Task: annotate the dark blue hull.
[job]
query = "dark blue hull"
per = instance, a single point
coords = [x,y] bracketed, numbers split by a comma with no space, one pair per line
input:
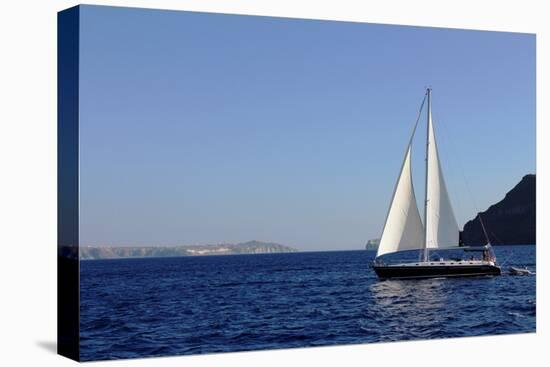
[434,271]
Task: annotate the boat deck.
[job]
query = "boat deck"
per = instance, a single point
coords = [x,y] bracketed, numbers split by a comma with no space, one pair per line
[444,263]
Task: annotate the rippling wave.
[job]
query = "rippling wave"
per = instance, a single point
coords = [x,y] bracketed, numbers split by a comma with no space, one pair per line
[191,305]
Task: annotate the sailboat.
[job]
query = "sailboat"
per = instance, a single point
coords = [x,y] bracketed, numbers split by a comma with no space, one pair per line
[404,230]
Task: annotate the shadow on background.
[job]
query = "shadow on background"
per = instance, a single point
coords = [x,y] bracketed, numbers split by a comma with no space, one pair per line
[50,346]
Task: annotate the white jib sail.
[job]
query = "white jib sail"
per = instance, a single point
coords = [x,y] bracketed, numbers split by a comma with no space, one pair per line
[403,229]
[441,227]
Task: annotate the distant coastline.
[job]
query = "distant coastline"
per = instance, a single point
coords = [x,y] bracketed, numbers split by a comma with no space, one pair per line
[372,244]
[120,252]
[509,222]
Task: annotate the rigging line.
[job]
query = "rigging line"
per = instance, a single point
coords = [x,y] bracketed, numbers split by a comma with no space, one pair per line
[507,259]
[483,227]
[408,146]
[470,194]
[496,237]
[418,117]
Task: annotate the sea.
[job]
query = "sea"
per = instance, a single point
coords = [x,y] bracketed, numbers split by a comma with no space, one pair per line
[132,308]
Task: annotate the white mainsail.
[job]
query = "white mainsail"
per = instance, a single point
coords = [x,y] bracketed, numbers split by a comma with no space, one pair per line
[403,229]
[441,227]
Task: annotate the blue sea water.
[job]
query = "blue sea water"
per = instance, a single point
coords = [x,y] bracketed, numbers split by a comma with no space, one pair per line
[189,305]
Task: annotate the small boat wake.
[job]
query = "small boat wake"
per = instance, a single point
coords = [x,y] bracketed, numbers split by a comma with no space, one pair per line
[520,271]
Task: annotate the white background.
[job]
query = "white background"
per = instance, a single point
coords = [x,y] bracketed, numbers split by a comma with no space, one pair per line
[28,182]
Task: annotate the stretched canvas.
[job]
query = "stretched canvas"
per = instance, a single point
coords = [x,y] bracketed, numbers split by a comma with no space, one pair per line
[235,183]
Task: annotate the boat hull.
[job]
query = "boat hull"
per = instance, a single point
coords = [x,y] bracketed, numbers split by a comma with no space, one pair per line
[434,271]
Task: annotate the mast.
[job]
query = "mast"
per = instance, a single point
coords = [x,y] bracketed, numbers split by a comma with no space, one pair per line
[425,251]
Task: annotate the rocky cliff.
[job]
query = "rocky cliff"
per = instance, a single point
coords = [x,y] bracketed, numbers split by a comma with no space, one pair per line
[511,221]
[372,244]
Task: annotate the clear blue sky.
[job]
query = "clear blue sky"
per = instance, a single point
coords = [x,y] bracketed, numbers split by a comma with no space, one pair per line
[207,128]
